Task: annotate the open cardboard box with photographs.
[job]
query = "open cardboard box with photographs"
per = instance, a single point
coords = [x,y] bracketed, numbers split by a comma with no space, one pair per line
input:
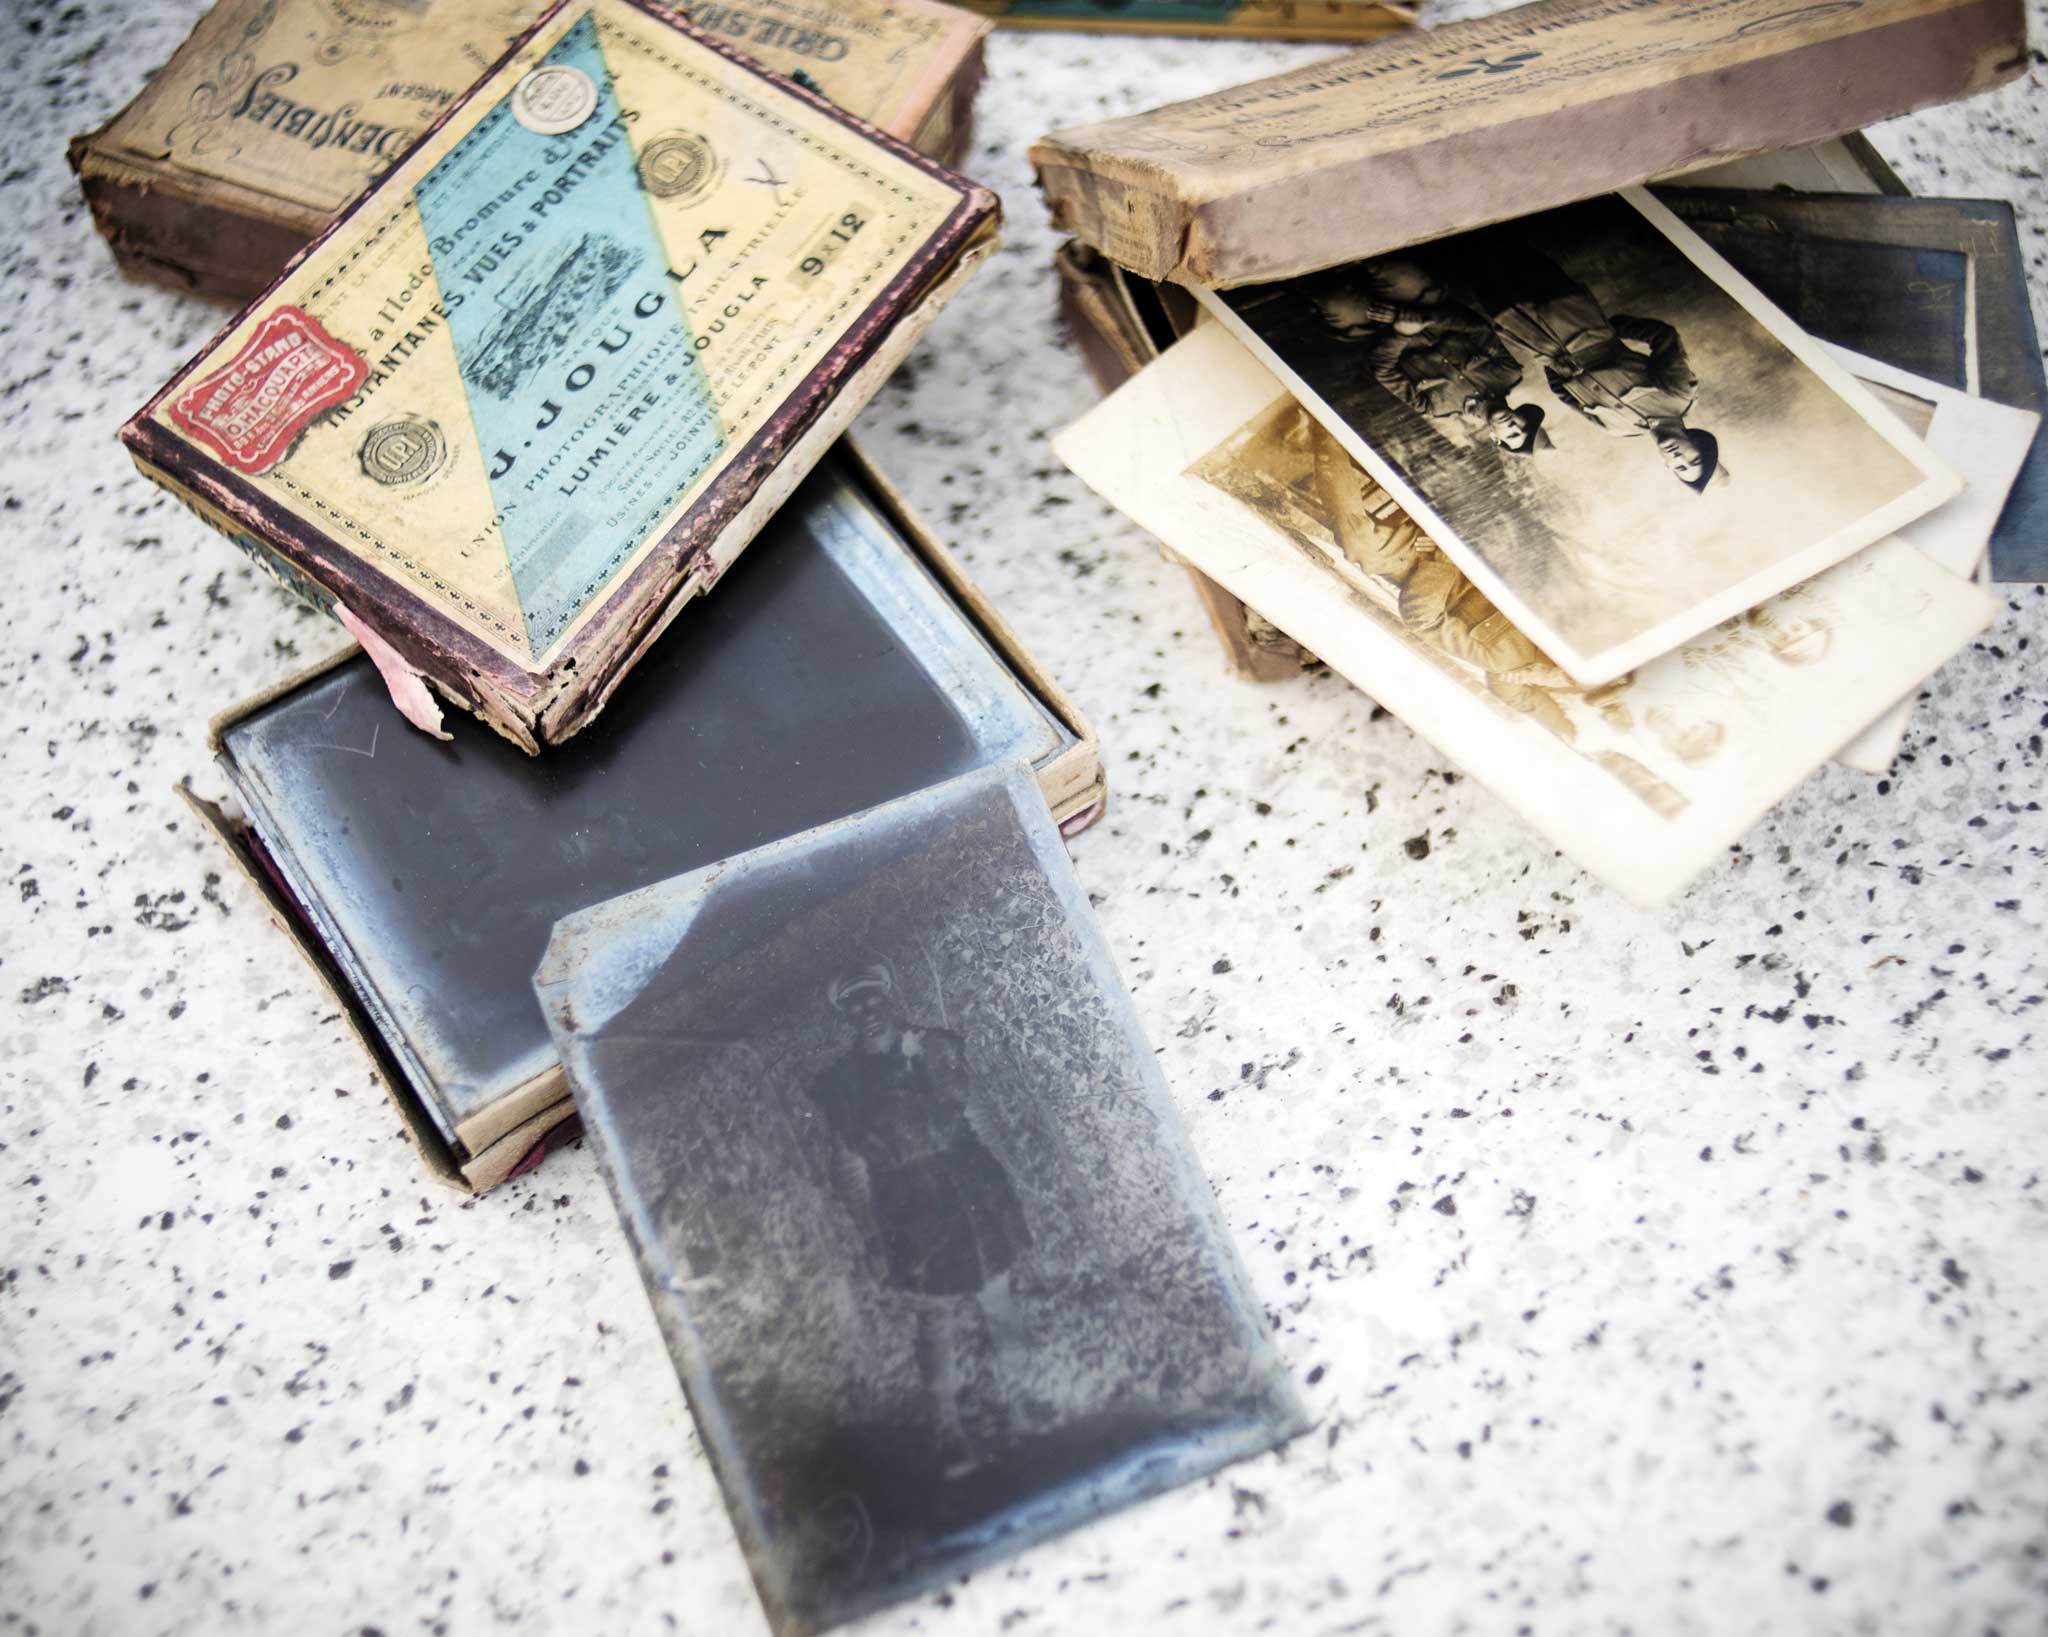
[854,662]
[1644,780]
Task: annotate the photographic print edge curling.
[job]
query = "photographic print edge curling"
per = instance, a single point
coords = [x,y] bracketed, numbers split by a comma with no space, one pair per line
[1936,482]
[1989,443]
[604,967]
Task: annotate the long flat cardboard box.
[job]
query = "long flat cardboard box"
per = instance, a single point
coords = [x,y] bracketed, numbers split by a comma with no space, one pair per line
[1222,19]
[1480,121]
[274,114]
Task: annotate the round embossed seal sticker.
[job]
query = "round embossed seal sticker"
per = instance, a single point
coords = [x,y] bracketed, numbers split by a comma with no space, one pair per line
[554,98]
[405,450]
[678,165]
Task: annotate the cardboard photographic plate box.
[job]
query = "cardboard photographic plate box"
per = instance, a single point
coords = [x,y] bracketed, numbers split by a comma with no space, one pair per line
[537,389]
[788,702]
[1226,19]
[1491,118]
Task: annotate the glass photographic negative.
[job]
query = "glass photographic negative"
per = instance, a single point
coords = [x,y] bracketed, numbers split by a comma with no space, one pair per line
[938,1272]
[826,673]
[1937,287]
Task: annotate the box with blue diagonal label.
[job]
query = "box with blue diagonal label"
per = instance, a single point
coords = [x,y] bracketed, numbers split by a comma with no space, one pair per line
[537,389]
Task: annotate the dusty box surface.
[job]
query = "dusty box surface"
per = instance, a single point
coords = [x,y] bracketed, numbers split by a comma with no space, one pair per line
[539,388]
[275,113]
[1413,137]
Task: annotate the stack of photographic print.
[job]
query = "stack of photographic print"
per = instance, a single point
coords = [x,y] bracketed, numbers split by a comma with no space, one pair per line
[1574,499]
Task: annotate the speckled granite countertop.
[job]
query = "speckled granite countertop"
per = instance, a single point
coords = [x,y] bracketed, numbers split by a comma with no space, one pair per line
[1650,1272]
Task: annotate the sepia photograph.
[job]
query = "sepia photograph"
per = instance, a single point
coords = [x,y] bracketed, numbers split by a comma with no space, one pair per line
[1605,427]
[1644,779]
[937,1269]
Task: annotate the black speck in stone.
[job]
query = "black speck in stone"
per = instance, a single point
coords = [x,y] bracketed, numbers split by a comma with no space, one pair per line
[1447,1206]
[340,1270]
[1417,846]
[1222,965]
[1841,1514]
[1953,1274]
[284,1122]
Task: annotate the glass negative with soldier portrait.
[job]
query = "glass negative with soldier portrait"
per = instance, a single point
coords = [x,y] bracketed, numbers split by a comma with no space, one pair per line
[1599,422]
[937,1270]
[1644,779]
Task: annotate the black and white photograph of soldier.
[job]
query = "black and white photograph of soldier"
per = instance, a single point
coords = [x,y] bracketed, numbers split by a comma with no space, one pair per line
[938,1217]
[937,1269]
[1624,373]
[1434,352]
[1618,440]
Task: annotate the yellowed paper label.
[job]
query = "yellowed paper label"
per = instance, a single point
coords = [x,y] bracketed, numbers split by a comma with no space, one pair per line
[890,63]
[563,337]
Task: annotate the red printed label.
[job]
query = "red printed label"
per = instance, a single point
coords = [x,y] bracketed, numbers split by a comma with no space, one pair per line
[250,409]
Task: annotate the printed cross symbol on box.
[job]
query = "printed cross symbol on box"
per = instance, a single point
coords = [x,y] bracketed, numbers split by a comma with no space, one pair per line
[1486,65]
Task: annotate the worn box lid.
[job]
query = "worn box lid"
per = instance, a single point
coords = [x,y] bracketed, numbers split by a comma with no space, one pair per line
[274,114]
[1495,117]
[1228,19]
[542,384]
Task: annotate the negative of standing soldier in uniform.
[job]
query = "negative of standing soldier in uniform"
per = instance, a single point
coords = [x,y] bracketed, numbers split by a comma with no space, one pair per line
[938,1273]
[1599,421]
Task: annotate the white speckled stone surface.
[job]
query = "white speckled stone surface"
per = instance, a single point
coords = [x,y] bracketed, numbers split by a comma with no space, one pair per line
[1654,1273]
